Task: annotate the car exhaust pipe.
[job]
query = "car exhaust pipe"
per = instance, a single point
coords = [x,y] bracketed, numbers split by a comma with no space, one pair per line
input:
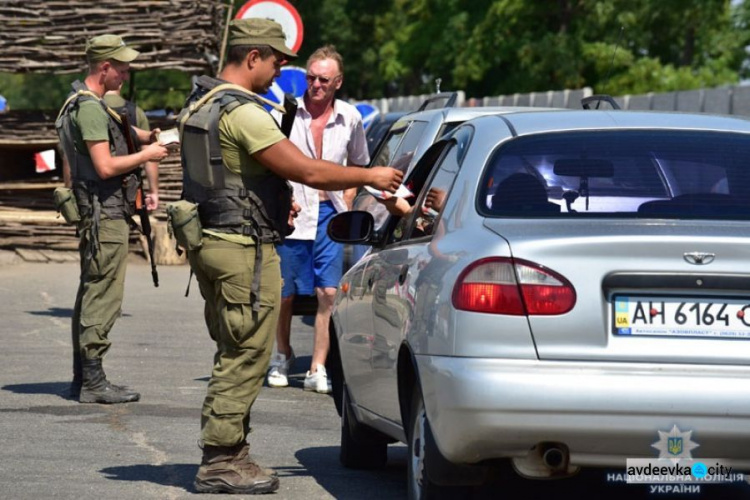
[545,460]
[555,458]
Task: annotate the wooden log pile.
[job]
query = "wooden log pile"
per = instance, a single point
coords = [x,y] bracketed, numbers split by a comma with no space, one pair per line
[49,36]
[30,225]
[28,128]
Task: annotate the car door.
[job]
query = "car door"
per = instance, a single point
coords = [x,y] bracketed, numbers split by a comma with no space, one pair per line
[400,294]
[354,313]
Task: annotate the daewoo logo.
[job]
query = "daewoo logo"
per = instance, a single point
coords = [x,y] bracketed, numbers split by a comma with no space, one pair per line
[699,258]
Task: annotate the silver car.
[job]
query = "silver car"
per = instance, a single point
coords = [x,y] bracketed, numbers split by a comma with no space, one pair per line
[578,296]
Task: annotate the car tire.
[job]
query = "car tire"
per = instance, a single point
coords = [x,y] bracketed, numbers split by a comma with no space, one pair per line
[420,487]
[361,446]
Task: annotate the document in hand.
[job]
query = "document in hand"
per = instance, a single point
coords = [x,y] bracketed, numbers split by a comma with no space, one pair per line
[169,137]
[401,192]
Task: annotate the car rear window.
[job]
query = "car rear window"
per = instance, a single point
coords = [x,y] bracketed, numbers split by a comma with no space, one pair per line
[633,173]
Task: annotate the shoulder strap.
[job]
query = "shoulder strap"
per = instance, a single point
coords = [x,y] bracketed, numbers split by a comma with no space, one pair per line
[227,88]
[87,93]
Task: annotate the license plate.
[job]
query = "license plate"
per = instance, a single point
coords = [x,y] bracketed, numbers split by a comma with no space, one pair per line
[681,317]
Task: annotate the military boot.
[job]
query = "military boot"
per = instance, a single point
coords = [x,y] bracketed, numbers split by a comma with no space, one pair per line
[97,389]
[229,469]
[75,385]
[244,454]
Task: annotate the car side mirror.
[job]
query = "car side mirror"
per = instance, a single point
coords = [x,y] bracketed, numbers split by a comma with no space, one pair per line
[352,227]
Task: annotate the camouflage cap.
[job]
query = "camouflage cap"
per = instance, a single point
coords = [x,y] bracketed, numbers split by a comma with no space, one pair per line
[103,47]
[258,31]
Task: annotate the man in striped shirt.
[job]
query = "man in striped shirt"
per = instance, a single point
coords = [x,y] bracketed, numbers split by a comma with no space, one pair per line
[330,129]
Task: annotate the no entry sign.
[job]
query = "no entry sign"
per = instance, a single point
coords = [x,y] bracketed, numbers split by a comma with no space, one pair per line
[280,11]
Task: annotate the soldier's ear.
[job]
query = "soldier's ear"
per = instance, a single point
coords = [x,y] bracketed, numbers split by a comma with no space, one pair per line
[252,59]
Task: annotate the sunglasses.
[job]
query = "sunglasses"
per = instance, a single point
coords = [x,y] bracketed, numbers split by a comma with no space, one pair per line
[322,79]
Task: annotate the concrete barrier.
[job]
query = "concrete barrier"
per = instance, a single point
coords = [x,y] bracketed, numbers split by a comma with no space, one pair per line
[639,102]
[740,103]
[558,98]
[690,101]
[718,101]
[573,99]
[539,99]
[664,102]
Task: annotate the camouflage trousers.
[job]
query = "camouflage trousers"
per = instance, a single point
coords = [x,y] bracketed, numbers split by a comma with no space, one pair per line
[102,285]
[244,338]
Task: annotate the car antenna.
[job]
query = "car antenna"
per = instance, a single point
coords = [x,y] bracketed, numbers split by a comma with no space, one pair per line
[585,102]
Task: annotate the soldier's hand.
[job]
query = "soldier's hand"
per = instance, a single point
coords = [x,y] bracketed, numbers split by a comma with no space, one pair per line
[293,213]
[386,178]
[155,152]
[154,137]
[152,202]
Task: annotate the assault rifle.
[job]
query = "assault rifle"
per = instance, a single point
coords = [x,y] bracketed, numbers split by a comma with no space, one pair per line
[140,202]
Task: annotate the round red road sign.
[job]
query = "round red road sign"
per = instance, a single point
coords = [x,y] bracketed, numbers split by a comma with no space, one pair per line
[280,11]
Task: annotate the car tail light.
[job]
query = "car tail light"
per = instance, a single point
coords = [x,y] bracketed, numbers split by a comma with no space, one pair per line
[501,285]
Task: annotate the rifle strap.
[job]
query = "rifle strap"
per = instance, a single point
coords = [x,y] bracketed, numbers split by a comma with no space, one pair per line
[190,279]
[88,93]
[223,88]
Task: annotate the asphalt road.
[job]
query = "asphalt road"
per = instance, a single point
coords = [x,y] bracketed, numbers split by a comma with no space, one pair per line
[52,447]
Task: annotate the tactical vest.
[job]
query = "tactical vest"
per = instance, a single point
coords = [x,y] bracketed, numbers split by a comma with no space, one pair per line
[227,202]
[115,197]
[128,109]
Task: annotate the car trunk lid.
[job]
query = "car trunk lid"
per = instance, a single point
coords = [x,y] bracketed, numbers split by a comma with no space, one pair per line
[631,277]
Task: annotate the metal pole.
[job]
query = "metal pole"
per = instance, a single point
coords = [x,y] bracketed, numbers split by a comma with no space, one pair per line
[224,39]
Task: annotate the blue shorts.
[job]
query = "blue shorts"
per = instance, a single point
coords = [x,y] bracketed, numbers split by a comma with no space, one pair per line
[306,265]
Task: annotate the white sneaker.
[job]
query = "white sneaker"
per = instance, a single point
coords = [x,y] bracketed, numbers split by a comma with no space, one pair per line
[279,371]
[318,381]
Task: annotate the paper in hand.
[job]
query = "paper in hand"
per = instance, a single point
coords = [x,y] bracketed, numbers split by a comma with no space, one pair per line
[401,192]
[170,137]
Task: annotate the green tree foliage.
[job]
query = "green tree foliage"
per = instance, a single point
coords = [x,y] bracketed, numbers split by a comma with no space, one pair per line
[350,25]
[153,89]
[507,46]
[34,90]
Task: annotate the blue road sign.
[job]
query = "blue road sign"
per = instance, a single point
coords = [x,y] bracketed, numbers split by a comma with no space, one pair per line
[292,81]
[368,112]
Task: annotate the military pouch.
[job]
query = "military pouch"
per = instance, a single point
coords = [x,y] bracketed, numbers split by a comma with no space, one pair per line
[130,186]
[185,224]
[66,204]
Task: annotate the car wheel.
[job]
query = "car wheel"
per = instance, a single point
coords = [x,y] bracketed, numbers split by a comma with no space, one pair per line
[361,446]
[420,486]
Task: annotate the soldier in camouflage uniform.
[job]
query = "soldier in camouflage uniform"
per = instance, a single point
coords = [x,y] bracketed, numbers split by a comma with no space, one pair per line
[236,162]
[103,180]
